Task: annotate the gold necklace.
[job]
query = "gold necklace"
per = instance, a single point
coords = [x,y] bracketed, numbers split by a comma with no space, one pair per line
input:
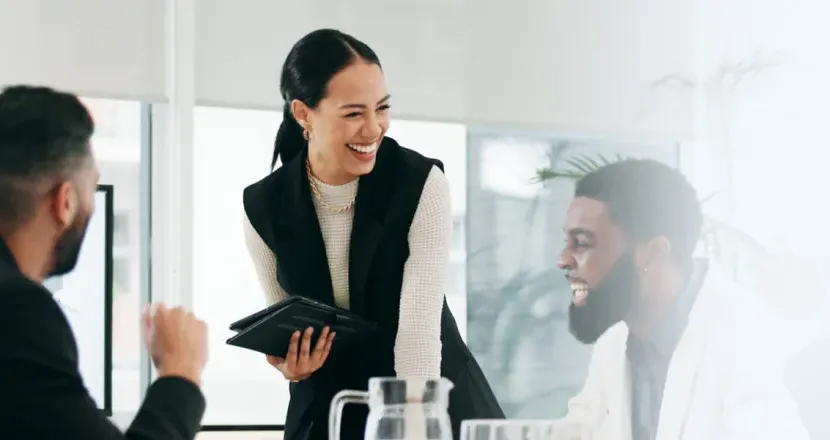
[312,182]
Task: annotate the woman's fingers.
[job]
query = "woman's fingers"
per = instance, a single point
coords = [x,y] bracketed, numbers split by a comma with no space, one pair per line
[291,359]
[320,346]
[327,348]
[303,361]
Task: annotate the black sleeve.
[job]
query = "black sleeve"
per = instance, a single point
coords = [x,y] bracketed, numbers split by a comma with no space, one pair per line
[43,395]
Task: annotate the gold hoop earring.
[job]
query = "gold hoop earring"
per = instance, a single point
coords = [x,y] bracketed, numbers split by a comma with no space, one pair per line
[306,134]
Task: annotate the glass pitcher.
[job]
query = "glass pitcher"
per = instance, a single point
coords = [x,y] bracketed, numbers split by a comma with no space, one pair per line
[517,430]
[399,409]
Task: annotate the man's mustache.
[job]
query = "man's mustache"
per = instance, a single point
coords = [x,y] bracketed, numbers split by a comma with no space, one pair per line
[574,279]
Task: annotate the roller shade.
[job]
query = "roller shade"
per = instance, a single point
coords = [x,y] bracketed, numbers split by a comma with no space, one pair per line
[97,48]
[562,65]
[557,65]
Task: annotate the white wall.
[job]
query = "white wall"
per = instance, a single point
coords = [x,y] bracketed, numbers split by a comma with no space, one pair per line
[777,117]
[583,66]
[565,65]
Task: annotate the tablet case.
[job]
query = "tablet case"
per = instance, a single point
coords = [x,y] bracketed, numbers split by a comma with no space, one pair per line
[269,330]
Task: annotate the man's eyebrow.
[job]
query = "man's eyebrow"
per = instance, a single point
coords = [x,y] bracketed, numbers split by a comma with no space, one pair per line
[581,231]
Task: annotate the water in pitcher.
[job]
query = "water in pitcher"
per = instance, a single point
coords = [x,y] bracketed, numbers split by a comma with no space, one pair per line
[399,409]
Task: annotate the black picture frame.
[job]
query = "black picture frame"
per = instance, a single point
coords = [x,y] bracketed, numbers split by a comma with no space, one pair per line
[109,220]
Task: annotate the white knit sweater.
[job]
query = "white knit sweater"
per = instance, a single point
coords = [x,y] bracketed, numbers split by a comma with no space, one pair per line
[418,344]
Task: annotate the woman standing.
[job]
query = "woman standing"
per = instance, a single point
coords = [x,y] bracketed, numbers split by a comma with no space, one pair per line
[353,219]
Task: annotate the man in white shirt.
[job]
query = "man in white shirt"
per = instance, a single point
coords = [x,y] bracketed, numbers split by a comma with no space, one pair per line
[678,353]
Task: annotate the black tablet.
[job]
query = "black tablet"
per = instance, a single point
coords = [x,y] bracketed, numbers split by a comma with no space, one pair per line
[269,330]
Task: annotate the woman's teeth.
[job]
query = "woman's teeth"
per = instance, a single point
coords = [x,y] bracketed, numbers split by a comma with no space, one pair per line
[365,149]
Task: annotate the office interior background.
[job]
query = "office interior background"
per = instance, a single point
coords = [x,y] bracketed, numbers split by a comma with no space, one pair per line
[185,97]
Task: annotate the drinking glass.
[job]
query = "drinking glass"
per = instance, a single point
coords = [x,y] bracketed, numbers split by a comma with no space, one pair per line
[510,430]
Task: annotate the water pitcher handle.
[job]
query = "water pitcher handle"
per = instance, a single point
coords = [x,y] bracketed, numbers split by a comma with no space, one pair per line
[340,400]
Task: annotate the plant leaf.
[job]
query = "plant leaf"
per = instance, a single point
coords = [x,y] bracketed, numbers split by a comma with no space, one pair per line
[608,161]
[603,160]
[546,174]
[579,164]
[577,167]
[594,164]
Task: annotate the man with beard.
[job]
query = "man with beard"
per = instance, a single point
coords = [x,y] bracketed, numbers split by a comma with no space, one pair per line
[48,179]
[678,353]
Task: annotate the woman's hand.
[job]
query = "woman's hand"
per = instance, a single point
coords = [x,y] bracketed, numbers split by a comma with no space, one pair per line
[301,361]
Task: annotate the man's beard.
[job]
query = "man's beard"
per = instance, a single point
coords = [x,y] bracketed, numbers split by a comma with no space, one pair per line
[608,303]
[68,248]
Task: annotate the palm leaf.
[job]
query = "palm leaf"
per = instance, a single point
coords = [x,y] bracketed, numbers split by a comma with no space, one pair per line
[546,174]
[580,164]
[576,167]
[593,163]
[717,227]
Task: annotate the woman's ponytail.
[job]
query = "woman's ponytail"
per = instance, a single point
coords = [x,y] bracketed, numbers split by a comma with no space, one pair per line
[290,141]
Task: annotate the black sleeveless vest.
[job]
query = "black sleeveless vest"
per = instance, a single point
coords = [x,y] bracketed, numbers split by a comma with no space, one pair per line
[281,210]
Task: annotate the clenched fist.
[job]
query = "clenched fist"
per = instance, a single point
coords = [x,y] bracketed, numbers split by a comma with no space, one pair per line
[176,341]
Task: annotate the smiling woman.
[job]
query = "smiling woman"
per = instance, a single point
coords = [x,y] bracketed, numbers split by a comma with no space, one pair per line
[357,221]
[344,130]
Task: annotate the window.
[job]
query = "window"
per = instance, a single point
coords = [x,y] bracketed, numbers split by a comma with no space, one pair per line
[121,275]
[518,299]
[117,145]
[121,229]
[233,150]
[447,143]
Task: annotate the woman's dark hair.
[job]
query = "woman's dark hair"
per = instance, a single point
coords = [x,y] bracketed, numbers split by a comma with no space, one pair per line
[309,67]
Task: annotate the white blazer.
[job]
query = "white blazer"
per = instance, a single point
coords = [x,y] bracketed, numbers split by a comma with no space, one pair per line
[724,380]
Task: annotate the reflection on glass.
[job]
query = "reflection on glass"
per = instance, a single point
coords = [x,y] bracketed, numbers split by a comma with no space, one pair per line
[447,143]
[518,299]
[117,147]
[233,150]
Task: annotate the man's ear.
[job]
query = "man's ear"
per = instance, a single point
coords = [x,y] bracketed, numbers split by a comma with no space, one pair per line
[65,204]
[656,252]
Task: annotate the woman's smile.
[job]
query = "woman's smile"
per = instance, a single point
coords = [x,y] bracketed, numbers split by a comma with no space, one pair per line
[364,152]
